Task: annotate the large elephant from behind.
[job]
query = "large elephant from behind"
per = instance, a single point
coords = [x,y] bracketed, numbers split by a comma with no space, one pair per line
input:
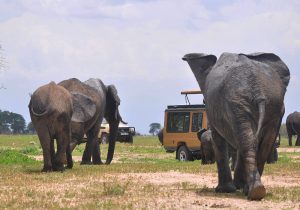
[244,97]
[293,127]
[104,103]
[51,110]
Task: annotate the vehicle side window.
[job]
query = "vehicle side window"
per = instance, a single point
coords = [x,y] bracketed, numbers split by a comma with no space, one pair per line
[178,122]
[197,121]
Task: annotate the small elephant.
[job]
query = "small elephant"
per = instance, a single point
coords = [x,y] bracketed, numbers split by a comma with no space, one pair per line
[244,98]
[160,135]
[100,102]
[208,154]
[293,127]
[51,111]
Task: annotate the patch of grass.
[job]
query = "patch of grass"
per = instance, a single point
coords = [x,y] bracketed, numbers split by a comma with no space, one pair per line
[31,150]
[283,194]
[114,188]
[18,141]
[14,157]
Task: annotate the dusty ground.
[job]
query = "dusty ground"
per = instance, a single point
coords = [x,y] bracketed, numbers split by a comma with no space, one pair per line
[194,199]
[175,190]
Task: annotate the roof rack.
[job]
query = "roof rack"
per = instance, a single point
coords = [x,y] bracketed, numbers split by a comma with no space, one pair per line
[190,92]
[187,92]
[193,106]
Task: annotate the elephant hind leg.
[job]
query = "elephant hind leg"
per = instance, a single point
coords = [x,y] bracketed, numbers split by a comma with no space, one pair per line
[248,144]
[225,183]
[45,141]
[63,147]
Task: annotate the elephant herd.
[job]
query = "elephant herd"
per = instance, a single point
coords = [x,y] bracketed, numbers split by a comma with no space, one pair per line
[244,95]
[68,110]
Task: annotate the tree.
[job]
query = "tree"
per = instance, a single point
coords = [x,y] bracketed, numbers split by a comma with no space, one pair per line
[11,122]
[17,123]
[154,128]
[30,129]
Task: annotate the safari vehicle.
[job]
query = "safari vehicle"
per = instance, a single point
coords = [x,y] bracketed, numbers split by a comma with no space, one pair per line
[181,124]
[125,133]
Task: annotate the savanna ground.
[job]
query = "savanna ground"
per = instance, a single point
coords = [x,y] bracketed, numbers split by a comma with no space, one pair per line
[141,176]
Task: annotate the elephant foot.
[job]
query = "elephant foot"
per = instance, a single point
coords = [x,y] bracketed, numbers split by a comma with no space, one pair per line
[258,192]
[226,188]
[84,162]
[97,162]
[238,184]
[47,169]
[69,166]
[59,168]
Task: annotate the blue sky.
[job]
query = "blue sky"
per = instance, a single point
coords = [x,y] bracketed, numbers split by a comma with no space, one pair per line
[138,46]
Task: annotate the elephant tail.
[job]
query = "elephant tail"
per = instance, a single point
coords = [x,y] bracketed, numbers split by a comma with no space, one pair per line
[261,117]
[39,114]
[43,113]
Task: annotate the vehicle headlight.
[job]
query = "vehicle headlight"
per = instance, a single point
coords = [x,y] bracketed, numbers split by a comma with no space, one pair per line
[131,130]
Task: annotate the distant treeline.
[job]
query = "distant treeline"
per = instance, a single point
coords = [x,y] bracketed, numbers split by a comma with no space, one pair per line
[13,123]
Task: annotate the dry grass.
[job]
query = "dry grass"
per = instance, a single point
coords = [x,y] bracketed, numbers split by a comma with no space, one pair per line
[140,177]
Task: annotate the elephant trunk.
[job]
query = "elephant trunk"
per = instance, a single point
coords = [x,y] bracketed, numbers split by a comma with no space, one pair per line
[113,131]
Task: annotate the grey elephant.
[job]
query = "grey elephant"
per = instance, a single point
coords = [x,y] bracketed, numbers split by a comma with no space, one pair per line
[207,150]
[52,120]
[103,103]
[244,97]
[160,135]
[293,127]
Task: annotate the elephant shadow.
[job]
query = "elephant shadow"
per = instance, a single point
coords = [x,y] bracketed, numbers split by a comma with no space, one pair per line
[210,192]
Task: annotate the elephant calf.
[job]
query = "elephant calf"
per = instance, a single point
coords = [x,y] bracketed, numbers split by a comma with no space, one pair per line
[293,127]
[50,110]
[208,154]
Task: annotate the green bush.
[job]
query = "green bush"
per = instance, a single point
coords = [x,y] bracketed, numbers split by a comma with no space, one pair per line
[9,156]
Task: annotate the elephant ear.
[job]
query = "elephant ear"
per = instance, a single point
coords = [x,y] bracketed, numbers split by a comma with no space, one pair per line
[84,108]
[274,62]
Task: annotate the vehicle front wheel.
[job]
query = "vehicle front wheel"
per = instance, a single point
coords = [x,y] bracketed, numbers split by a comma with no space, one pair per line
[183,154]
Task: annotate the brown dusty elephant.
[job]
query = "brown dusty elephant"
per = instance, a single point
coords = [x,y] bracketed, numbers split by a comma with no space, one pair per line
[244,97]
[104,102]
[51,110]
[293,127]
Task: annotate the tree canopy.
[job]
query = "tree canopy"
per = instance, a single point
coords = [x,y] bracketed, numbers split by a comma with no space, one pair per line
[154,128]
[11,122]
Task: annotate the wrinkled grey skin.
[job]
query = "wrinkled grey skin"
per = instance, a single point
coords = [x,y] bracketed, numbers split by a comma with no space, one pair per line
[293,127]
[244,101]
[103,103]
[208,154]
[52,120]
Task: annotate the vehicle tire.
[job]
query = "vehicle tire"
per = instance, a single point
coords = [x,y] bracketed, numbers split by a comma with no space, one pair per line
[183,154]
[130,139]
[104,138]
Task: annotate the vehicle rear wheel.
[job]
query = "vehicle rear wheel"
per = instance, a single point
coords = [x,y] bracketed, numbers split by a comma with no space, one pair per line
[183,154]
[104,138]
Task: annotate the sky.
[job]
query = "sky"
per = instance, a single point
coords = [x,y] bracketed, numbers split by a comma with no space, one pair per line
[138,46]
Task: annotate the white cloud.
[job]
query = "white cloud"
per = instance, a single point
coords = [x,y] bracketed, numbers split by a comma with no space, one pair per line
[130,42]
